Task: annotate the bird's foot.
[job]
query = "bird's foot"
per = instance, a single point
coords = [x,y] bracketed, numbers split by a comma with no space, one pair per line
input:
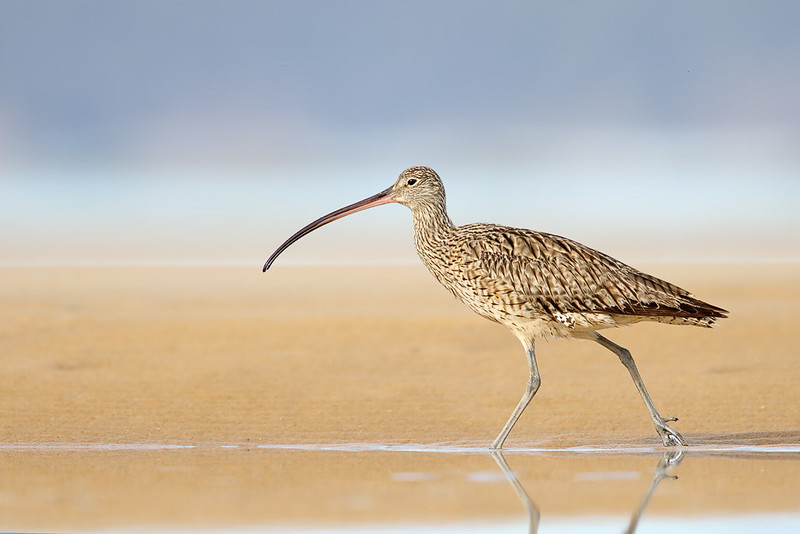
[670,437]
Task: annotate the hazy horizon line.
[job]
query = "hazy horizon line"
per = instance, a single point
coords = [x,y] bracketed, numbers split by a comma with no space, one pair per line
[352,263]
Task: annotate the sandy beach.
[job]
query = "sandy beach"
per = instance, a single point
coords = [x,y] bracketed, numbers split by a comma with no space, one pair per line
[253,372]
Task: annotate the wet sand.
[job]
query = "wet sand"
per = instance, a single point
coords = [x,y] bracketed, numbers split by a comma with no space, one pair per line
[252,372]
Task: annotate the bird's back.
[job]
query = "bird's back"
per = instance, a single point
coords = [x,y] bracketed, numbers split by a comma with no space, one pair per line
[551,285]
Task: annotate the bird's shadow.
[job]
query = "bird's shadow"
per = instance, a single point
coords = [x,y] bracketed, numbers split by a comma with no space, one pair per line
[666,464]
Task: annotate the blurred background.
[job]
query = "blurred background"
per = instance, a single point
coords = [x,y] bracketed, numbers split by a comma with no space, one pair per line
[203,131]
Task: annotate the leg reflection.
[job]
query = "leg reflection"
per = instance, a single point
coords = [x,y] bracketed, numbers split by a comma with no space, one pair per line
[533,512]
[668,462]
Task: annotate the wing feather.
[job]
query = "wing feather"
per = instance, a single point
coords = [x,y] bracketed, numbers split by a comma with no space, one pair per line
[555,275]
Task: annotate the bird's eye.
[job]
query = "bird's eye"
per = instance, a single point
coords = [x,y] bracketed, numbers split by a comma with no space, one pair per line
[411,181]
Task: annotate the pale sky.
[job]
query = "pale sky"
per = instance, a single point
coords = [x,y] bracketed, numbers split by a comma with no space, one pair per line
[210,131]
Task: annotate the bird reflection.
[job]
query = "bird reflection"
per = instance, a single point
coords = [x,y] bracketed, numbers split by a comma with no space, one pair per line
[668,462]
[533,512]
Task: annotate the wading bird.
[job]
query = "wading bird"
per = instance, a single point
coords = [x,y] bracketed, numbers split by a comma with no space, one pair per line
[536,284]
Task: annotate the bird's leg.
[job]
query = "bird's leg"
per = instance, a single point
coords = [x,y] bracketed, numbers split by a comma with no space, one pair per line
[668,436]
[530,391]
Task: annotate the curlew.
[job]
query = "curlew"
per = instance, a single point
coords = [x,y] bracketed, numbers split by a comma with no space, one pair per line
[538,285]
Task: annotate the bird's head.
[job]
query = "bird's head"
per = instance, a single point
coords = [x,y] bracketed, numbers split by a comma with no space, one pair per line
[418,186]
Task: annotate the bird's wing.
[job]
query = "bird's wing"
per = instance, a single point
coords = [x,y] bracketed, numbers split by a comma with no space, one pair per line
[557,275]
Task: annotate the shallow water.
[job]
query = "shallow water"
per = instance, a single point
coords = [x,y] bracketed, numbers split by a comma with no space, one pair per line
[714,487]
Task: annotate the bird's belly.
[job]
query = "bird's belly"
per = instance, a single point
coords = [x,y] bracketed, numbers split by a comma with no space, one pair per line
[524,318]
[564,325]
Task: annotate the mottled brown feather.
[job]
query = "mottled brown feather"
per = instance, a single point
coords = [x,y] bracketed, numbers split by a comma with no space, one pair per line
[513,275]
[565,275]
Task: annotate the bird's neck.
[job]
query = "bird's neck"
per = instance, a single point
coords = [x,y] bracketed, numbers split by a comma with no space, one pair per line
[432,227]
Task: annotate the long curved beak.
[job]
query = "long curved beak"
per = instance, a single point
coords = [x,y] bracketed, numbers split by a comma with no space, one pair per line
[384,197]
